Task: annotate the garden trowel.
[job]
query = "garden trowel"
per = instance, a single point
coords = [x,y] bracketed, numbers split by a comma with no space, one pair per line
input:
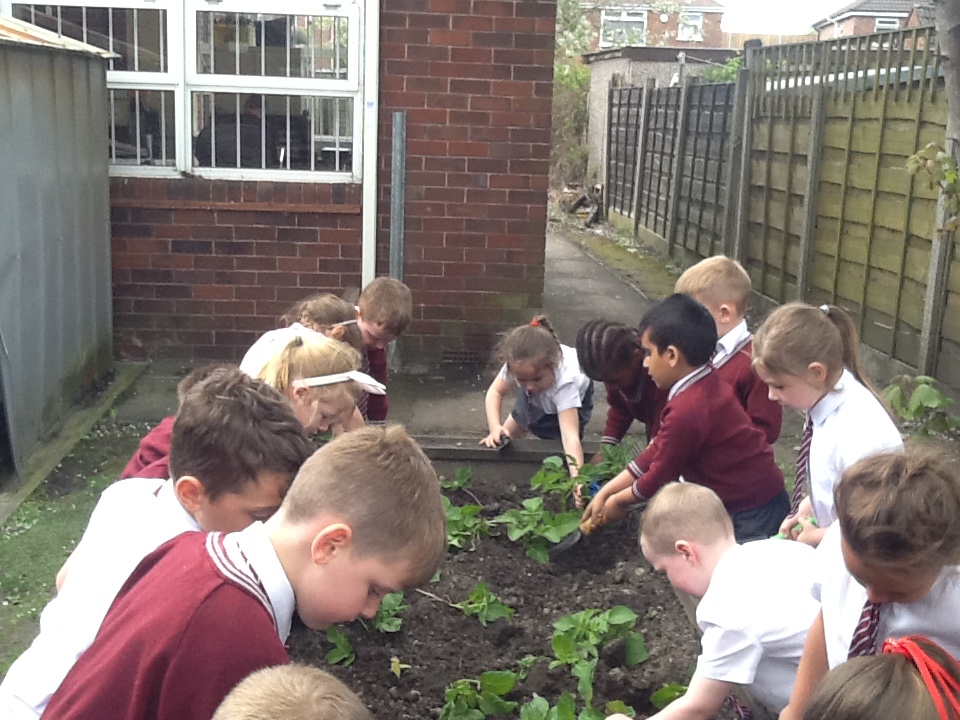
[573,538]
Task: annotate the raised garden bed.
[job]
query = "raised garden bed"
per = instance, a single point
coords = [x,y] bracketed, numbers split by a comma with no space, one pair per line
[441,645]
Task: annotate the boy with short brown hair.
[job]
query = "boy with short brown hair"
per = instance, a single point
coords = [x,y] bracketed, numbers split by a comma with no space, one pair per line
[383,313]
[236,446]
[363,518]
[292,692]
[722,286]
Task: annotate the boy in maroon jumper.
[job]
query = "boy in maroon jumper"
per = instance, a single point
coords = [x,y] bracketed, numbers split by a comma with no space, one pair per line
[722,286]
[363,518]
[705,435]
[383,313]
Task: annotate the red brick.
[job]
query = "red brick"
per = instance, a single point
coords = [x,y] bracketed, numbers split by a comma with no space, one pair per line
[470,55]
[433,21]
[403,99]
[420,83]
[451,38]
[471,22]
[256,263]
[126,261]
[172,261]
[298,264]
[254,292]
[213,292]
[494,8]
[468,149]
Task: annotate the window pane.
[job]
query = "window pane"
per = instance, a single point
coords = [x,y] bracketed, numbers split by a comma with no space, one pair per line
[301,46]
[287,132]
[141,127]
[136,34]
[690,27]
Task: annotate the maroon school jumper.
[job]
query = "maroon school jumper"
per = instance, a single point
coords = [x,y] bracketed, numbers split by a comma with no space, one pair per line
[374,407]
[152,458]
[706,436]
[177,639]
[645,405]
[737,371]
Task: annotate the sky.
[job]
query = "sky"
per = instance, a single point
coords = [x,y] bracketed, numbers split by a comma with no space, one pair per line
[786,17]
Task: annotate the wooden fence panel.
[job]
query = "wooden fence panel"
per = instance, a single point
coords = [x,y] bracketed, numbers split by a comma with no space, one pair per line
[702,189]
[624,113]
[658,155]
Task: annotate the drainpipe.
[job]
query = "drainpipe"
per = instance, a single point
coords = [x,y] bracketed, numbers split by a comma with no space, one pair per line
[371,104]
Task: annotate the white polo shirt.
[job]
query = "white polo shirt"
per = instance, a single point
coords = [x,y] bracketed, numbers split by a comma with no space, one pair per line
[849,424]
[755,617]
[132,519]
[569,388]
[842,598]
[730,342]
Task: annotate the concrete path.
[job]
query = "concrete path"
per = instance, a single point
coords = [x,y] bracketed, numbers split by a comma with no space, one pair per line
[449,401]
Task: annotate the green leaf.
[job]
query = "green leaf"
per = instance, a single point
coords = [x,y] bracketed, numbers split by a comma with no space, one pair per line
[636,649]
[555,462]
[563,647]
[565,709]
[342,652]
[929,397]
[584,671]
[621,615]
[667,694]
[498,682]
[491,704]
[538,553]
[590,713]
[536,709]
[618,706]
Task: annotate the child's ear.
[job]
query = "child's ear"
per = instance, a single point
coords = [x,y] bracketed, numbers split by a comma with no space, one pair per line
[336,332]
[672,355]
[190,492]
[686,550]
[726,313]
[818,372]
[330,540]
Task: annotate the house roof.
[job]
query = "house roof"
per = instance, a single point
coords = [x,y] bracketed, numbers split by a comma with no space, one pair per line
[17,32]
[651,53]
[925,12]
[870,8]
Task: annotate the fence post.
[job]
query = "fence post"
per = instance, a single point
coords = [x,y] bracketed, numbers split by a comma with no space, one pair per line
[648,86]
[607,163]
[743,182]
[810,192]
[732,199]
[936,295]
[676,170]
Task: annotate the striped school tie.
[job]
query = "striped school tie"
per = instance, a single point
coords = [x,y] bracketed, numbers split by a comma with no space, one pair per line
[864,640]
[803,465]
[742,711]
[364,396]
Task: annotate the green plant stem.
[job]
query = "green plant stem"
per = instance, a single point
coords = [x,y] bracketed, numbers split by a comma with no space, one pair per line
[437,598]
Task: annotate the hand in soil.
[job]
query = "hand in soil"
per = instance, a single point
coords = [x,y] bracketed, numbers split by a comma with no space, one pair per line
[495,438]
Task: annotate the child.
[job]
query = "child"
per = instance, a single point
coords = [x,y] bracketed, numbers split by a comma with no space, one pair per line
[152,458]
[748,638]
[292,692]
[705,435]
[235,448]
[317,375]
[326,314]
[722,286]
[889,567]
[913,678]
[383,313]
[554,397]
[610,352]
[810,359]
[363,518]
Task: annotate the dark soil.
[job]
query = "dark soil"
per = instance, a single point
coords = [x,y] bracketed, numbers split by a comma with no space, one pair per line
[442,645]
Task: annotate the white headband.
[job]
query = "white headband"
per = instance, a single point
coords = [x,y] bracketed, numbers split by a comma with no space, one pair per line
[345,322]
[362,379]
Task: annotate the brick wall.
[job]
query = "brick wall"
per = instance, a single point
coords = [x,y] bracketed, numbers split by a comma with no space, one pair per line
[475,77]
[201,267]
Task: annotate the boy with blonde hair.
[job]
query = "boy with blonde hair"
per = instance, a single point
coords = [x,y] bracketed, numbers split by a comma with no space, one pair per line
[722,286]
[292,692]
[383,313]
[748,638]
[362,519]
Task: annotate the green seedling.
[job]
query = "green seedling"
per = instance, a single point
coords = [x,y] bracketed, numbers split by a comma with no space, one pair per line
[535,527]
[465,526]
[485,605]
[526,662]
[397,667]
[615,459]
[920,405]
[387,619]
[461,480]
[539,709]
[796,528]
[554,479]
[667,694]
[468,699]
[342,652]
[577,640]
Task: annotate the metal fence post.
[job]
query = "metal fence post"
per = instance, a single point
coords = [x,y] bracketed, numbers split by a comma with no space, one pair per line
[810,192]
[648,86]
[936,295]
[743,182]
[398,195]
[731,200]
[676,171]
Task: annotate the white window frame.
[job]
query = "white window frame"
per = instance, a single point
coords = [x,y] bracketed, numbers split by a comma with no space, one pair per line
[892,24]
[697,27]
[182,78]
[622,15]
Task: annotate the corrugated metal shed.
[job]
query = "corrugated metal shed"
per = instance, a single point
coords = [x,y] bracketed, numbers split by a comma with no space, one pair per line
[55,297]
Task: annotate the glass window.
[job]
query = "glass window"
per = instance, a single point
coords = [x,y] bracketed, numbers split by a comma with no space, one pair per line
[883,24]
[622,27]
[690,27]
[142,127]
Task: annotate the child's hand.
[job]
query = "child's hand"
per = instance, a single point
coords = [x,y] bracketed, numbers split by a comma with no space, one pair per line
[809,534]
[578,496]
[494,438]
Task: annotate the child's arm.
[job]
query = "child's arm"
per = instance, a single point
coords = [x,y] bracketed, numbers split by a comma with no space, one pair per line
[493,403]
[600,507]
[702,699]
[570,437]
[801,526]
[813,668]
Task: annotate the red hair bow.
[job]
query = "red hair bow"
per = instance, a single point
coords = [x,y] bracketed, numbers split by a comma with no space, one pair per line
[535,322]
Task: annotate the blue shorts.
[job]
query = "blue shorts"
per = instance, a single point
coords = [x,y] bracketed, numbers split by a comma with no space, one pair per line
[763,522]
[544,425]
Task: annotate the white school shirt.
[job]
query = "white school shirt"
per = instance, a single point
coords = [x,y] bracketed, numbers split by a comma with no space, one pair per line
[132,519]
[570,385]
[730,342]
[755,617]
[270,344]
[842,598]
[849,424]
